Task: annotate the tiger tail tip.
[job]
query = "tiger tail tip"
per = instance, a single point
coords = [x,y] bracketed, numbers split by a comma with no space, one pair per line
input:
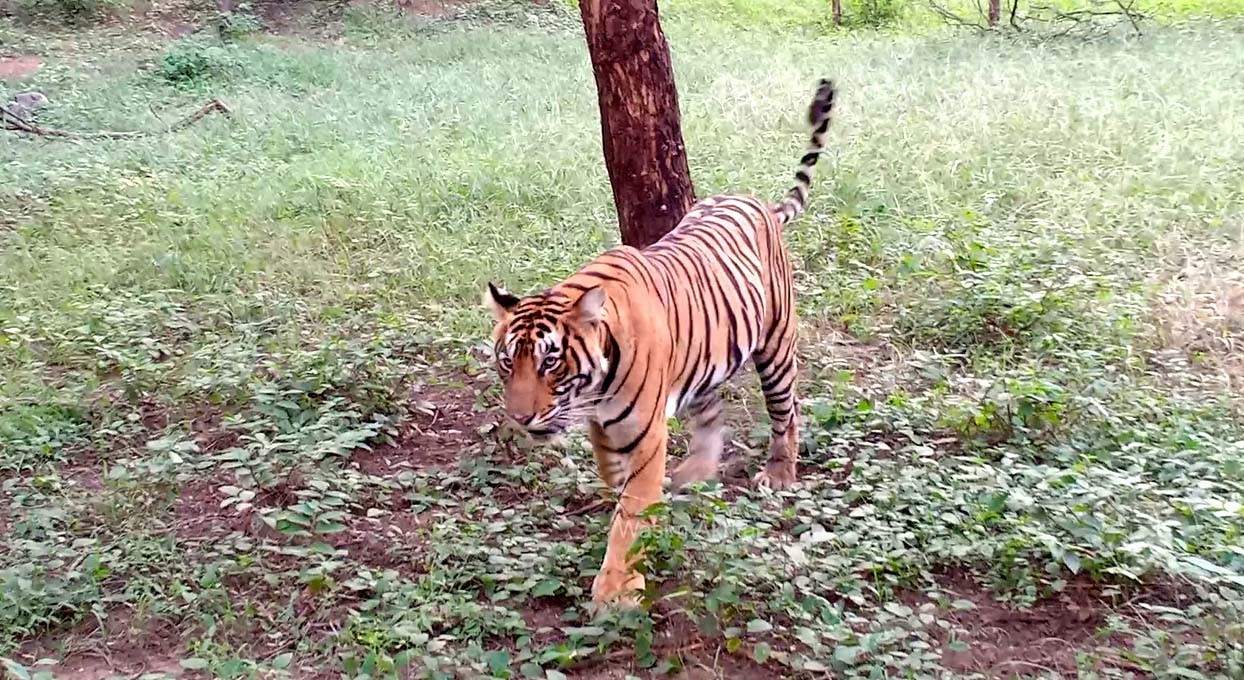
[819,115]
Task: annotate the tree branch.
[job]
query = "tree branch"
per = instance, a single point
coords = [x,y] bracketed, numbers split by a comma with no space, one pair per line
[11,121]
[954,19]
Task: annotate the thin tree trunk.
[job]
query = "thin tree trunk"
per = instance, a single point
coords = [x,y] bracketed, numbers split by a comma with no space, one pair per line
[837,9]
[995,11]
[639,122]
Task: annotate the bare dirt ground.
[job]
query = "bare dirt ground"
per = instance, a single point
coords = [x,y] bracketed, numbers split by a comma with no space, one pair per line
[20,66]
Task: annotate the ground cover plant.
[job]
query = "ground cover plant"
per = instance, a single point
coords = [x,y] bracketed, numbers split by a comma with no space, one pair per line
[246,428]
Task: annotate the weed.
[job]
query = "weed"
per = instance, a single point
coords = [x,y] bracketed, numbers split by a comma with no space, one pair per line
[194,61]
[238,24]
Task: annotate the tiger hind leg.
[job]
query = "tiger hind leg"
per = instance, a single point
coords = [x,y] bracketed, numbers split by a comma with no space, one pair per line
[707,443]
[776,365]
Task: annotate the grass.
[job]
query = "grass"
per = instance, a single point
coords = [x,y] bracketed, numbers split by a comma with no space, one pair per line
[245,428]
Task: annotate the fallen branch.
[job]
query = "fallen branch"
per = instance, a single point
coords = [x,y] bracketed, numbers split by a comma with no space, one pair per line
[14,122]
[590,507]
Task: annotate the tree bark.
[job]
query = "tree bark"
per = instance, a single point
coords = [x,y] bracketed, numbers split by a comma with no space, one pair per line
[639,120]
[837,9]
[995,11]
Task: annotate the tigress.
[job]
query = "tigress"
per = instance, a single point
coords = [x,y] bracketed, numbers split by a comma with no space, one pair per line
[638,336]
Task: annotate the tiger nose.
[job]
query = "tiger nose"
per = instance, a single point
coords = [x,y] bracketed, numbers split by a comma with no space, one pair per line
[525,418]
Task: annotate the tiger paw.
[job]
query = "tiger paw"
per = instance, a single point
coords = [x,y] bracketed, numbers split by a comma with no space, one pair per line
[776,476]
[692,470]
[613,588]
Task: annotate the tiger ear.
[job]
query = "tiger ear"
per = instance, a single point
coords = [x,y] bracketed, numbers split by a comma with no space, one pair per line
[499,302]
[590,307]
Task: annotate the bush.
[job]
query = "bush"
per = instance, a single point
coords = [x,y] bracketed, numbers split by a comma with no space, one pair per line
[191,61]
[875,13]
[236,25]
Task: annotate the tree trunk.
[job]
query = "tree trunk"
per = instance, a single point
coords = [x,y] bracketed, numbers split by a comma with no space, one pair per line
[995,11]
[639,123]
[837,9]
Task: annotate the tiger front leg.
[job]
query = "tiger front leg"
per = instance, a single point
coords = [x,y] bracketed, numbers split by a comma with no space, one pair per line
[610,464]
[618,582]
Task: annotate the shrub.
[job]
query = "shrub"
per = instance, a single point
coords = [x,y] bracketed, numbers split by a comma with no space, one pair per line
[238,24]
[875,13]
[190,61]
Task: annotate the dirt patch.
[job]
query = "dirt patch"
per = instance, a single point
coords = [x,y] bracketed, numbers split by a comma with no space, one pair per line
[1003,640]
[434,8]
[543,617]
[95,665]
[390,541]
[200,515]
[443,424]
[119,644]
[828,351]
[210,432]
[285,16]
[87,477]
[19,67]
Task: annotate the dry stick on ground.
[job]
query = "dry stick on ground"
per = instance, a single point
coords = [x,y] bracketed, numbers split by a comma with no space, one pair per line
[594,505]
[620,654]
[12,122]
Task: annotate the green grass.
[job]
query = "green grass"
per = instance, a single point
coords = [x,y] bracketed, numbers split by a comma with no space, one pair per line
[1022,317]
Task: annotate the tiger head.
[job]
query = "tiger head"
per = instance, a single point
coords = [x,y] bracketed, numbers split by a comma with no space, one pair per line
[551,352]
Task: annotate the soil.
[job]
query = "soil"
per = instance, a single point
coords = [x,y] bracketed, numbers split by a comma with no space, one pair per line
[1003,641]
[118,645]
[19,67]
[432,8]
[89,666]
[387,542]
[444,423]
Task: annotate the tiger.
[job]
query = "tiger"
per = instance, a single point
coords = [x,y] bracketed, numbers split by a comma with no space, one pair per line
[636,337]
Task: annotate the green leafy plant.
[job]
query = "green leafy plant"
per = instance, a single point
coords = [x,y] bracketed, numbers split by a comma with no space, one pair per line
[189,62]
[237,24]
[875,13]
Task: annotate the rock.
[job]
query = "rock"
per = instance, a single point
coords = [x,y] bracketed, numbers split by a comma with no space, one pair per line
[24,105]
